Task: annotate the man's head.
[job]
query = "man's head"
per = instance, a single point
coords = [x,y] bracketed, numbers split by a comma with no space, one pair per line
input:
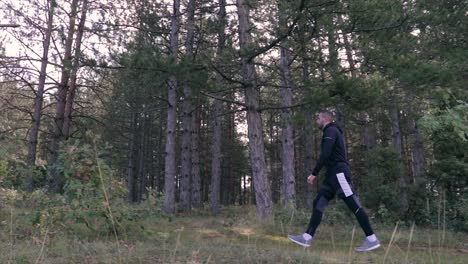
[324,118]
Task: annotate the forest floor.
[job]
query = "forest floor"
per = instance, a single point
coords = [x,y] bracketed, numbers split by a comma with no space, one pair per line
[235,236]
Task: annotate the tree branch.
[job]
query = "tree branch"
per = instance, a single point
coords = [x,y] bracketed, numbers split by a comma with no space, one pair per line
[280,38]
[223,99]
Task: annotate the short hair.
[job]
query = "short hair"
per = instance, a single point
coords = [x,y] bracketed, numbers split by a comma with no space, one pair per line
[328,114]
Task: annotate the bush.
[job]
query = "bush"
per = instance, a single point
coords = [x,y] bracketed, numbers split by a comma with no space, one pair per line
[421,203]
[92,204]
[382,197]
[462,208]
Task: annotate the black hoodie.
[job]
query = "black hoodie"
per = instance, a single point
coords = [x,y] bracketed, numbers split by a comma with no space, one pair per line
[332,148]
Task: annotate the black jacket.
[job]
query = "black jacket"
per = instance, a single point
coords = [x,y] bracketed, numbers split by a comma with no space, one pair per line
[333,148]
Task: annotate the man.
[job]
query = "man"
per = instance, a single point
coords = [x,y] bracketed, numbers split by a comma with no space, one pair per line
[337,182]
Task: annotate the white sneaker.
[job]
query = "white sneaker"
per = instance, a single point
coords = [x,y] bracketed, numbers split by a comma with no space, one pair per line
[368,246]
[300,240]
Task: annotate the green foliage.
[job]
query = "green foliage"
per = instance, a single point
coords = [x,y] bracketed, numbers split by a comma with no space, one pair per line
[193,73]
[443,124]
[13,170]
[422,204]
[78,165]
[418,51]
[84,210]
[377,14]
[318,96]
[412,71]
[4,170]
[380,187]
[461,206]
[448,173]
[360,95]
[89,217]
[338,213]
[235,159]
[284,216]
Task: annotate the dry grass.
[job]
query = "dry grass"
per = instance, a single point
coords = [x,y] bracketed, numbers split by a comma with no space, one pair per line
[233,237]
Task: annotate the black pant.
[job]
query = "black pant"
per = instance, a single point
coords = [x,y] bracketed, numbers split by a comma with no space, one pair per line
[338,182]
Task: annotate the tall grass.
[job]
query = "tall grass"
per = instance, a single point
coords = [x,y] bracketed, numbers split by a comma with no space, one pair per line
[409,243]
[177,244]
[238,238]
[107,203]
[350,251]
[441,225]
[39,258]
[11,236]
[390,243]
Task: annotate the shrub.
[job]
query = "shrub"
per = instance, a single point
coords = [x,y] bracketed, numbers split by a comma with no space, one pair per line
[383,197]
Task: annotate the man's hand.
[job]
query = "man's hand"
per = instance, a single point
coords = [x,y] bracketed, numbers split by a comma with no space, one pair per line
[310,179]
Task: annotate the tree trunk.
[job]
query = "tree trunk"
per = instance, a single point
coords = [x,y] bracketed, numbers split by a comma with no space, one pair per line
[186,162]
[368,139]
[130,178]
[142,166]
[308,157]
[170,167]
[61,96]
[205,166]
[39,98]
[307,136]
[321,59]
[367,134]
[152,148]
[140,169]
[332,48]
[217,109]
[254,121]
[334,66]
[196,178]
[161,155]
[287,142]
[271,149]
[216,158]
[349,50]
[398,147]
[417,152]
[73,78]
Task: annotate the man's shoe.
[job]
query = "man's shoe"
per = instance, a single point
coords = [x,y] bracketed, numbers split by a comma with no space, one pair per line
[300,240]
[367,245]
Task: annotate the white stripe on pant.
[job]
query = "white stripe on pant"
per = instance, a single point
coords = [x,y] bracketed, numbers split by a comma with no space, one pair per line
[344,184]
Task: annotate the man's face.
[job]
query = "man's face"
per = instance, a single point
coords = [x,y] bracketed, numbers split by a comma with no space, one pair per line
[321,120]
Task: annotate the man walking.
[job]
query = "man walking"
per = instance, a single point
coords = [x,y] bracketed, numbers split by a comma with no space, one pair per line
[337,182]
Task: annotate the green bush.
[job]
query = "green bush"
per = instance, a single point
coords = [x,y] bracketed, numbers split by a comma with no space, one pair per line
[421,203]
[92,204]
[447,177]
[462,208]
[383,197]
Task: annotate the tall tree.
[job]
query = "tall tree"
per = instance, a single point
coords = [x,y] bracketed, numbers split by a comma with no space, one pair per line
[196,187]
[417,151]
[287,141]
[186,153]
[398,147]
[39,94]
[131,158]
[66,91]
[60,97]
[307,138]
[170,159]
[217,109]
[254,120]
[74,74]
